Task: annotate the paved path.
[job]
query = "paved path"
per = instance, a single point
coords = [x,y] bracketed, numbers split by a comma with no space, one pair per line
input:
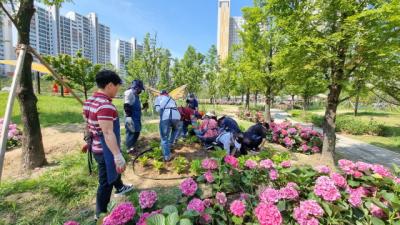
[352,149]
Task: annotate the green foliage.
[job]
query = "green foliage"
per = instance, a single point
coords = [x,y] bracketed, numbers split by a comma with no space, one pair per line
[219,153]
[280,157]
[144,160]
[180,164]
[158,165]
[79,72]
[211,70]
[195,167]
[357,126]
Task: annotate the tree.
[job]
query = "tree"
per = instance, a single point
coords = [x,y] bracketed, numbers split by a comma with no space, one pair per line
[260,44]
[339,39]
[212,67]
[32,145]
[164,68]
[79,71]
[191,71]
[227,77]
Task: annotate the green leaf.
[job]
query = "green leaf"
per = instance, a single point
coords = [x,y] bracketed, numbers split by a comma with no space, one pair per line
[156,219]
[237,220]
[353,183]
[281,206]
[190,213]
[185,222]
[172,218]
[377,221]
[327,208]
[169,209]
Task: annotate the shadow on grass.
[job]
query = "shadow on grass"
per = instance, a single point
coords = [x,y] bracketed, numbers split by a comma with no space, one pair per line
[381,114]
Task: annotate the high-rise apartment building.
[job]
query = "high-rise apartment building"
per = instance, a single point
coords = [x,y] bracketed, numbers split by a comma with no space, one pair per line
[6,48]
[229,28]
[125,51]
[52,34]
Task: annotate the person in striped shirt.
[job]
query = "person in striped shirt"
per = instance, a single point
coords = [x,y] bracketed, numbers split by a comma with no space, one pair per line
[102,123]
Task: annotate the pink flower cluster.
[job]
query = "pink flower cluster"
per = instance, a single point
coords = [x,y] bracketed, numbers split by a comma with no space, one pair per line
[71,223]
[209,164]
[231,160]
[209,176]
[144,216]
[121,215]
[339,180]
[237,208]
[268,214]
[147,199]
[289,192]
[323,169]
[196,205]
[377,212]
[308,212]
[273,174]
[251,164]
[269,195]
[188,187]
[286,164]
[221,198]
[326,189]
[355,196]
[359,169]
[267,164]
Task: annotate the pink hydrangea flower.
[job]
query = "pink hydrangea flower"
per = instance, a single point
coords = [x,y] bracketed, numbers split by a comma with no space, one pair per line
[339,180]
[286,164]
[122,214]
[71,223]
[209,177]
[292,131]
[355,196]
[209,164]
[305,135]
[144,216]
[288,142]
[196,205]
[188,187]
[347,166]
[207,202]
[377,212]
[292,184]
[269,195]
[357,174]
[307,210]
[237,208]
[381,170]
[251,164]
[231,160]
[221,198]
[266,164]
[147,199]
[284,132]
[289,193]
[323,169]
[326,189]
[397,180]
[304,147]
[363,167]
[206,218]
[268,214]
[315,149]
[273,174]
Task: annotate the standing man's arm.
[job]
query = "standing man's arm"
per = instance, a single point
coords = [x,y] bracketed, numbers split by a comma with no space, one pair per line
[111,141]
[157,103]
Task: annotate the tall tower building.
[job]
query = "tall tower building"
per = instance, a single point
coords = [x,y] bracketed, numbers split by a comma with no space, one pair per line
[223,28]
[6,48]
[235,27]
[125,51]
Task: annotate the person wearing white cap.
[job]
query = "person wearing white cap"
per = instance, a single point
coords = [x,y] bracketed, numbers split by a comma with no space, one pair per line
[208,130]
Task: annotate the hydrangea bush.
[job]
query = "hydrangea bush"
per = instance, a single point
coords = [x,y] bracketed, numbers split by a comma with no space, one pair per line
[295,137]
[14,136]
[268,192]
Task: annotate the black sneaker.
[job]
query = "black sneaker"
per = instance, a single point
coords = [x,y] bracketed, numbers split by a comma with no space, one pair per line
[123,190]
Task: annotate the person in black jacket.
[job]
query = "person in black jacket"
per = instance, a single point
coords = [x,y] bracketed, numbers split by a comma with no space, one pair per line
[253,137]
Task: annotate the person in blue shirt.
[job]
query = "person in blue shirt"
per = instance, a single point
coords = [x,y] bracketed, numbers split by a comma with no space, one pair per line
[133,114]
[192,102]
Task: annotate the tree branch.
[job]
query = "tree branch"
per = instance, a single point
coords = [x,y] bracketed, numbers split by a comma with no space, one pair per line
[384,99]
[347,98]
[8,15]
[12,6]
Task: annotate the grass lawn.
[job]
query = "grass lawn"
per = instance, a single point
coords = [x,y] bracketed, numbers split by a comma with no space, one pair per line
[390,120]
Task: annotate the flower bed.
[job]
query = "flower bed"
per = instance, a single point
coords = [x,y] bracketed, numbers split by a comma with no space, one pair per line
[14,135]
[295,137]
[251,190]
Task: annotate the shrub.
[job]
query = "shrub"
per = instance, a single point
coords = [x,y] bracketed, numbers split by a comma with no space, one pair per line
[356,126]
[180,163]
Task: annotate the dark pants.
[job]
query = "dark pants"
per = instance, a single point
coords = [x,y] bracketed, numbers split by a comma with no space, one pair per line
[105,189]
[131,138]
[250,143]
[185,125]
[207,141]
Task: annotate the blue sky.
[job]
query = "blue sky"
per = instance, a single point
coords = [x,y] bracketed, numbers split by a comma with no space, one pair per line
[178,23]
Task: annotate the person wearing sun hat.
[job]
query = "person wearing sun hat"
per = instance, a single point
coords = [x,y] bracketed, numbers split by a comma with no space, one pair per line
[208,130]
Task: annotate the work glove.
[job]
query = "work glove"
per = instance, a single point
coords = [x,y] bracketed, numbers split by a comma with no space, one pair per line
[120,163]
[129,124]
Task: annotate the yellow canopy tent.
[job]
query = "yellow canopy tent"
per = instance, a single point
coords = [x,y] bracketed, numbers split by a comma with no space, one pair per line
[35,66]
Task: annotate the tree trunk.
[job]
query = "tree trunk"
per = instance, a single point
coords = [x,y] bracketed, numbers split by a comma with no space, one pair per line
[242,98]
[292,102]
[305,103]
[38,82]
[255,98]
[356,104]
[268,101]
[32,146]
[62,90]
[247,99]
[85,93]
